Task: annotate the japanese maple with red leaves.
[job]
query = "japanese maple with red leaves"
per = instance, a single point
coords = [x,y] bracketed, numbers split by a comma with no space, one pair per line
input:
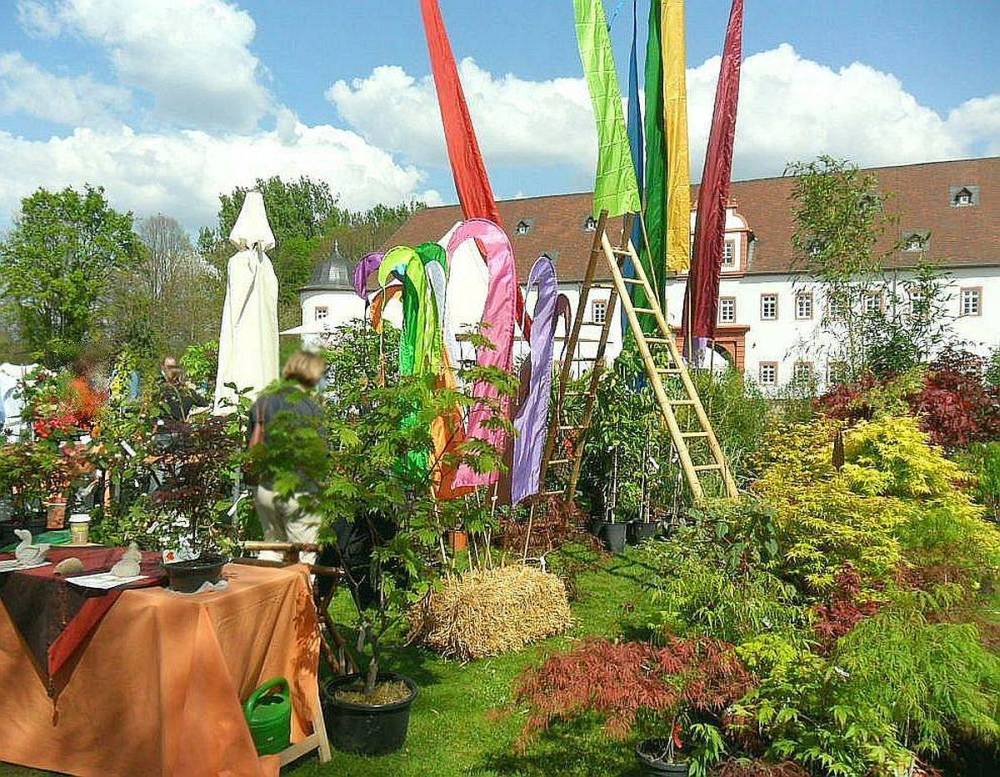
[622,680]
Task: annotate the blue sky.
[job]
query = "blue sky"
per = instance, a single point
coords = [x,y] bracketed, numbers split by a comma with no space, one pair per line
[168,102]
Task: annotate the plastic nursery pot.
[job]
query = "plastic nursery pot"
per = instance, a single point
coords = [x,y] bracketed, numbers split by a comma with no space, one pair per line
[640,531]
[613,535]
[649,753]
[366,729]
[186,577]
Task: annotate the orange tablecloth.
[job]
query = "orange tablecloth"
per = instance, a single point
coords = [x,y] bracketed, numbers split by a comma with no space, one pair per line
[158,687]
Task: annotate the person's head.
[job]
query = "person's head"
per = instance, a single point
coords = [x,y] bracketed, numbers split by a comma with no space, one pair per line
[304,368]
[171,369]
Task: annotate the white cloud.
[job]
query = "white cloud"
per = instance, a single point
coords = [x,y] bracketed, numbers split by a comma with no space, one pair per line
[193,56]
[183,172]
[790,108]
[518,122]
[70,100]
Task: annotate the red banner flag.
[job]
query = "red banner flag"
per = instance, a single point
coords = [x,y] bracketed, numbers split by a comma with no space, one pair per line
[467,166]
[702,298]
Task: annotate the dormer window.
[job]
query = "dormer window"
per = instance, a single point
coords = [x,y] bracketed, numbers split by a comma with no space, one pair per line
[729,254]
[523,227]
[590,224]
[964,196]
[915,243]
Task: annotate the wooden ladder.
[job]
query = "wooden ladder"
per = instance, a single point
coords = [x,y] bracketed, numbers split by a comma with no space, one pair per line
[673,368]
[682,394]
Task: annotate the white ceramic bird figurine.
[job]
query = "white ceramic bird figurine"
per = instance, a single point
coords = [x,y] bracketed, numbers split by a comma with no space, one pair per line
[25,552]
[128,566]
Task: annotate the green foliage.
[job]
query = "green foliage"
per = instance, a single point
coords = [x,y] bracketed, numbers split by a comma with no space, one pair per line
[841,222]
[982,461]
[927,679]
[57,265]
[200,363]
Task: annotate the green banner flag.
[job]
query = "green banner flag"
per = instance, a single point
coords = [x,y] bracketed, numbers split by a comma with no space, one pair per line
[653,255]
[615,188]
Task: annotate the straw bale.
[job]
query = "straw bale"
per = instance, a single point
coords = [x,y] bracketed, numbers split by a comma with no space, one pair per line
[492,612]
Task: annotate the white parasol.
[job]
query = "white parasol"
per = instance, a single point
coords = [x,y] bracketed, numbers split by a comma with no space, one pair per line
[248,343]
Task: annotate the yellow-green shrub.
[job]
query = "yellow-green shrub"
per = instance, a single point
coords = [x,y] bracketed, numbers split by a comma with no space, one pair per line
[896,495]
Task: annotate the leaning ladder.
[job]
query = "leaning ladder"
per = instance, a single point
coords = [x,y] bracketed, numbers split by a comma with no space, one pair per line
[569,434]
[663,346]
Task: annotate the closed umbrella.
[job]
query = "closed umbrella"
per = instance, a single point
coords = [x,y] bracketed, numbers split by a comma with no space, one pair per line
[248,343]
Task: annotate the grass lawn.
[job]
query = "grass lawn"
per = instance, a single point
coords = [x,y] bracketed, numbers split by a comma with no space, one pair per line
[454,729]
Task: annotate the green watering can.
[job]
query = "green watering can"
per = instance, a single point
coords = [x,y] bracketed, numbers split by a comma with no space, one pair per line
[269,714]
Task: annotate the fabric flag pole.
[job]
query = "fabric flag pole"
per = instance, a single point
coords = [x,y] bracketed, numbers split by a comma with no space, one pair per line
[531,422]
[713,195]
[678,241]
[615,188]
[653,256]
[498,317]
[636,142]
[467,166]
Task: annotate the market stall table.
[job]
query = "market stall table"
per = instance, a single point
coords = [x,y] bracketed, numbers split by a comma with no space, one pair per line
[156,688]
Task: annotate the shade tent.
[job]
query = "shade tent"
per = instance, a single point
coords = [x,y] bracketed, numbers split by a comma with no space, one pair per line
[248,342]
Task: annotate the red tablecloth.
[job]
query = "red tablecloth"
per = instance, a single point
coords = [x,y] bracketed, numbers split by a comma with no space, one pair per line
[157,689]
[54,616]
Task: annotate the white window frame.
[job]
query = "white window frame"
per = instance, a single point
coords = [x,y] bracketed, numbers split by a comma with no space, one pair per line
[803,371]
[599,305]
[769,296]
[969,293]
[731,263]
[800,298]
[732,307]
[868,298]
[772,367]
[321,309]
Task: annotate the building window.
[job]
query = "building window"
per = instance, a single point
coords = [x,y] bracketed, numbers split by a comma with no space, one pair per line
[838,305]
[972,302]
[802,372]
[727,310]
[768,373]
[322,313]
[768,307]
[729,254]
[814,247]
[804,305]
[590,224]
[599,311]
[872,302]
[915,243]
[523,227]
[963,197]
[836,372]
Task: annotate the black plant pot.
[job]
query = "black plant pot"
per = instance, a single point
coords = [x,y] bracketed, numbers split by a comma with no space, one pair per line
[364,729]
[186,577]
[647,753]
[613,535]
[640,531]
[595,525]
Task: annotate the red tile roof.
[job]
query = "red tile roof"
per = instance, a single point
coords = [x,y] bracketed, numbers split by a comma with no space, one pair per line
[960,236]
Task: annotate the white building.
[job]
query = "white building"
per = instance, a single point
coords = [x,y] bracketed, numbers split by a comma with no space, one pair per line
[769,314]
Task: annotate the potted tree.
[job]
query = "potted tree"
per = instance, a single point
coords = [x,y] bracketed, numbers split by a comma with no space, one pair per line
[380,522]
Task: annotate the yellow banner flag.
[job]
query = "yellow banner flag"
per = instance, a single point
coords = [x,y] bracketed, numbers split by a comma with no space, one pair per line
[676,121]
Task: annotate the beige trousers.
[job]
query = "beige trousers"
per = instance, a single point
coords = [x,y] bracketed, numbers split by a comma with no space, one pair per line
[283,521]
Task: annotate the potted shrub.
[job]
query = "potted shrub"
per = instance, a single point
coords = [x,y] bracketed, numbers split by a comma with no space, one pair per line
[674,692]
[382,524]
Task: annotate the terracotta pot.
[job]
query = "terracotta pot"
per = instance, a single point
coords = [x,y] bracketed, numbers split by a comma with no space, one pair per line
[458,539]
